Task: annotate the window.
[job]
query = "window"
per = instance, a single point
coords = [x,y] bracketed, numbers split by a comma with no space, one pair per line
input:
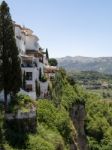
[28,75]
[28,87]
[18,37]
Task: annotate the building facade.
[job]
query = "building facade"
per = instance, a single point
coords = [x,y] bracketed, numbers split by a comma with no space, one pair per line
[34,63]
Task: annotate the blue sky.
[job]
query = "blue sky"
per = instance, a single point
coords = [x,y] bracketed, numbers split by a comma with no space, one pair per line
[68,27]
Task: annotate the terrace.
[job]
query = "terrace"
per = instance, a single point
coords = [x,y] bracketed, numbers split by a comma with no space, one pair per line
[28,61]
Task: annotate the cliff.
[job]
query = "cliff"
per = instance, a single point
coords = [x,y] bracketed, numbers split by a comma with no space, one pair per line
[60,121]
[78,116]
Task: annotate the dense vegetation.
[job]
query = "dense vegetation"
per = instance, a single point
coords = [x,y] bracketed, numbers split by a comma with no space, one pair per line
[94,82]
[54,129]
[54,126]
[90,77]
[98,123]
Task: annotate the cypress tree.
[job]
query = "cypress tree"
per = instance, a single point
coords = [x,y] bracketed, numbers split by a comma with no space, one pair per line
[40,74]
[24,81]
[10,70]
[37,88]
[47,54]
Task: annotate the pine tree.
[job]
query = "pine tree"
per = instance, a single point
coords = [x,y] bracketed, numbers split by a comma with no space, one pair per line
[47,54]
[10,71]
[37,88]
[24,81]
[40,74]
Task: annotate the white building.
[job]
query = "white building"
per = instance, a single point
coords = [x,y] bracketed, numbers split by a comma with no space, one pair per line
[20,38]
[33,62]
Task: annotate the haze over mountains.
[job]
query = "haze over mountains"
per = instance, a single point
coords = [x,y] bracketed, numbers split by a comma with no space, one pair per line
[80,63]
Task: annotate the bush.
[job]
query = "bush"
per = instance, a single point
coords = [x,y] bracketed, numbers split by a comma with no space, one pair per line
[55,118]
[53,62]
[46,139]
[43,78]
[98,123]
[21,102]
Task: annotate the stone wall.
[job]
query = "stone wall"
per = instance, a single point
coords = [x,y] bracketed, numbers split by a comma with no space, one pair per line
[21,122]
[20,115]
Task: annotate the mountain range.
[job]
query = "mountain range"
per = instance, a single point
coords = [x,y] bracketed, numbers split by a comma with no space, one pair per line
[80,63]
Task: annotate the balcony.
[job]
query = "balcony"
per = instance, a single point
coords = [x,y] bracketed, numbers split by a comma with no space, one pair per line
[26,65]
[28,61]
[30,65]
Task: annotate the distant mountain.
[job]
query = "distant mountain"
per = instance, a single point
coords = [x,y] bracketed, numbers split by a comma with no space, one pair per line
[79,63]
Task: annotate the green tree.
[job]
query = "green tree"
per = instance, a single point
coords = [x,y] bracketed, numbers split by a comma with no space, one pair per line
[37,88]
[24,81]
[40,74]
[1,126]
[47,54]
[57,89]
[10,70]
[50,90]
[53,62]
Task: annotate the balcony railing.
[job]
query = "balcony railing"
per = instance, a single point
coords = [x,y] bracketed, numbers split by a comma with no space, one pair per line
[29,65]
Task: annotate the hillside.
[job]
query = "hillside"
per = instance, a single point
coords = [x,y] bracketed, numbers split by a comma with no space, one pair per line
[94,82]
[79,63]
[58,125]
[72,120]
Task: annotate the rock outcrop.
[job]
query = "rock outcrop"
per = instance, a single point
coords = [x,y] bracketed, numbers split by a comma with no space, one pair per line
[78,116]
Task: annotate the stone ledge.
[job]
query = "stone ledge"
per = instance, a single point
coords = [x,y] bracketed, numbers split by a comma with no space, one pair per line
[20,115]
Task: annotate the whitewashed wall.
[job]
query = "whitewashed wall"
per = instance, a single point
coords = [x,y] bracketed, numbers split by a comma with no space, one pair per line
[32,42]
[43,88]
[41,65]
[35,75]
[20,39]
[45,60]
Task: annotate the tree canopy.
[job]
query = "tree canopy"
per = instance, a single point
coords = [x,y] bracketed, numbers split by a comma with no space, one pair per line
[53,62]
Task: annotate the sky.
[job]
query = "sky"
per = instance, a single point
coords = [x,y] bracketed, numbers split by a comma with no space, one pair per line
[68,27]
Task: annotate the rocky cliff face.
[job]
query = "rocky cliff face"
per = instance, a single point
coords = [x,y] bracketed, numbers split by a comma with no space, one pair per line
[78,116]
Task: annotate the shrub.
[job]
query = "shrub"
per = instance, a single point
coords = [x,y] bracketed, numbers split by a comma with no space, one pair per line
[43,78]
[21,102]
[53,62]
[46,139]
[55,118]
